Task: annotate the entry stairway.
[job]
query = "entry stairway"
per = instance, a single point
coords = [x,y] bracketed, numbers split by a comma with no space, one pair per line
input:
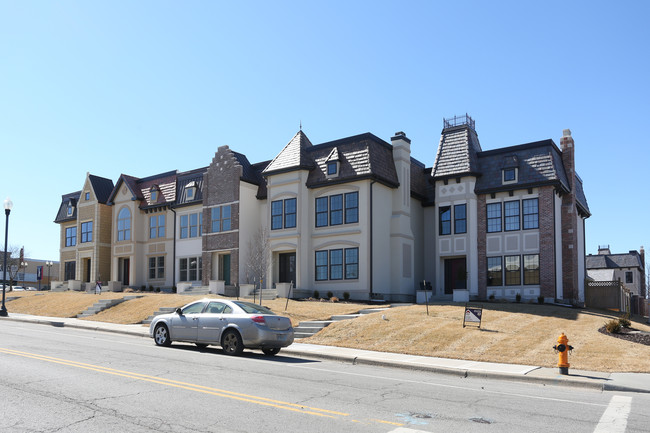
[311,327]
[104,304]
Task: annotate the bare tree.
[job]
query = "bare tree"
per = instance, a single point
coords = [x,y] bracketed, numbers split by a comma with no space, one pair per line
[259,257]
[13,264]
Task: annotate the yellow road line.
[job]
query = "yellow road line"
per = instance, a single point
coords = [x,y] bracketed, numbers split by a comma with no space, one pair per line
[188,386]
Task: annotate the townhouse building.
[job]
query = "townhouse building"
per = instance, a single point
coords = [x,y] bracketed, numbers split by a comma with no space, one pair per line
[85,224]
[359,216]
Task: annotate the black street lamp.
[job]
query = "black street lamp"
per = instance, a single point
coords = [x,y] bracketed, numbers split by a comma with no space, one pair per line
[49,281]
[8,205]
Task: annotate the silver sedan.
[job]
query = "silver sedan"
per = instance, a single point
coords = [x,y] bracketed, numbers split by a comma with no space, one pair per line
[233,325]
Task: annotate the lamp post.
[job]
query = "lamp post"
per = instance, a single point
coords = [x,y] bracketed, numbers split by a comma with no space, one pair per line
[24,265]
[49,281]
[8,205]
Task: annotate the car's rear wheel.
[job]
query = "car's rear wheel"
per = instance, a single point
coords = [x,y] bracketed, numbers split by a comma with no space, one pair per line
[161,335]
[232,343]
[271,351]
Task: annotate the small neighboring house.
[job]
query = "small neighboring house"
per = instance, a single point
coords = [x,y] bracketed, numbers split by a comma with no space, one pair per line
[628,268]
[84,218]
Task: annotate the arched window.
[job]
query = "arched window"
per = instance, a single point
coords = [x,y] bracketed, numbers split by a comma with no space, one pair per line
[124,225]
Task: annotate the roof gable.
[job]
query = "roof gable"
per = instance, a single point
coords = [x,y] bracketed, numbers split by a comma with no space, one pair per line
[293,156]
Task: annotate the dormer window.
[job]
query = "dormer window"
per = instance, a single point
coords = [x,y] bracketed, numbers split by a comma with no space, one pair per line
[190,190]
[70,208]
[332,164]
[87,196]
[332,168]
[509,175]
[155,190]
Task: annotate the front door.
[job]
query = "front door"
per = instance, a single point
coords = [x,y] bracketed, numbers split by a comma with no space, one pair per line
[125,269]
[455,275]
[287,268]
[224,265]
[87,270]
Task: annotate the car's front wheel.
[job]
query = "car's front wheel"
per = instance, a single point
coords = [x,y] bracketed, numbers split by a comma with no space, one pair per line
[161,335]
[271,351]
[232,343]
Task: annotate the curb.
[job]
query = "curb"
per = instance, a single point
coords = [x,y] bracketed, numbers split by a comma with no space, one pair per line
[361,360]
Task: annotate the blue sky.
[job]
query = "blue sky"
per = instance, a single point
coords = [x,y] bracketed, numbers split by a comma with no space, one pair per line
[140,88]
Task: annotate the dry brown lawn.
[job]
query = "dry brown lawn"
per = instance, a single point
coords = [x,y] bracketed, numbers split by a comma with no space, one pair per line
[510,333]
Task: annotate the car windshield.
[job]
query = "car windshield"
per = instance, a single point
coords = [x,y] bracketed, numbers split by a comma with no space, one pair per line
[253,308]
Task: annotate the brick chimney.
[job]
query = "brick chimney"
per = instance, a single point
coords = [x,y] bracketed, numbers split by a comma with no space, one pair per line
[569,221]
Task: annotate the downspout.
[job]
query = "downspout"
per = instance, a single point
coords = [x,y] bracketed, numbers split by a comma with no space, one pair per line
[174,252]
[371,239]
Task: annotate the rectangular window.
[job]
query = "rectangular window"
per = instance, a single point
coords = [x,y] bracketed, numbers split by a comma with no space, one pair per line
[87,232]
[351,263]
[289,213]
[194,225]
[531,269]
[276,215]
[156,226]
[444,225]
[331,168]
[321,265]
[511,211]
[513,270]
[629,277]
[351,207]
[184,227]
[71,237]
[70,271]
[183,269]
[221,219]
[336,264]
[531,213]
[460,218]
[494,271]
[509,174]
[336,210]
[191,225]
[494,217]
[191,269]
[321,211]
[157,267]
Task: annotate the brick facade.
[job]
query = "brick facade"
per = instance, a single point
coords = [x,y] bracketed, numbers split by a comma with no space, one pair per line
[547,281]
[481,219]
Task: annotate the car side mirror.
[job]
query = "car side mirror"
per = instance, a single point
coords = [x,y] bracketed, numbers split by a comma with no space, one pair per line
[179,311]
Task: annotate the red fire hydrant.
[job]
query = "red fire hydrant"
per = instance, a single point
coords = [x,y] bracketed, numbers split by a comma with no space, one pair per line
[562,349]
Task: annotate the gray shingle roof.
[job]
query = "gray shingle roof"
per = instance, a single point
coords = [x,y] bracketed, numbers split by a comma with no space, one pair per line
[613,261]
[360,156]
[457,152]
[62,214]
[538,163]
[292,156]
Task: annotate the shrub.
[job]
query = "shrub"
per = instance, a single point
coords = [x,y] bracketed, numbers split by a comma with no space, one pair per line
[143,288]
[330,295]
[518,297]
[613,326]
[346,296]
[150,288]
[491,298]
[173,289]
[540,299]
[157,289]
[316,294]
[624,320]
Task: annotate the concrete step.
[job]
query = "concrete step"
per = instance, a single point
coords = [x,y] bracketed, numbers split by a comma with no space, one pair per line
[340,317]
[163,310]
[104,304]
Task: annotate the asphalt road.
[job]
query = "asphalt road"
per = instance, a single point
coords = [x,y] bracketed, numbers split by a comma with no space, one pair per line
[72,380]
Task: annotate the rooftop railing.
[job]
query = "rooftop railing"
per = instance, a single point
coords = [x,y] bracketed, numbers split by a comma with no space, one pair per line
[458,121]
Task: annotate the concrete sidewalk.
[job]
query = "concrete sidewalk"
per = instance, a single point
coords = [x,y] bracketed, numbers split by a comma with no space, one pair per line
[626,382]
